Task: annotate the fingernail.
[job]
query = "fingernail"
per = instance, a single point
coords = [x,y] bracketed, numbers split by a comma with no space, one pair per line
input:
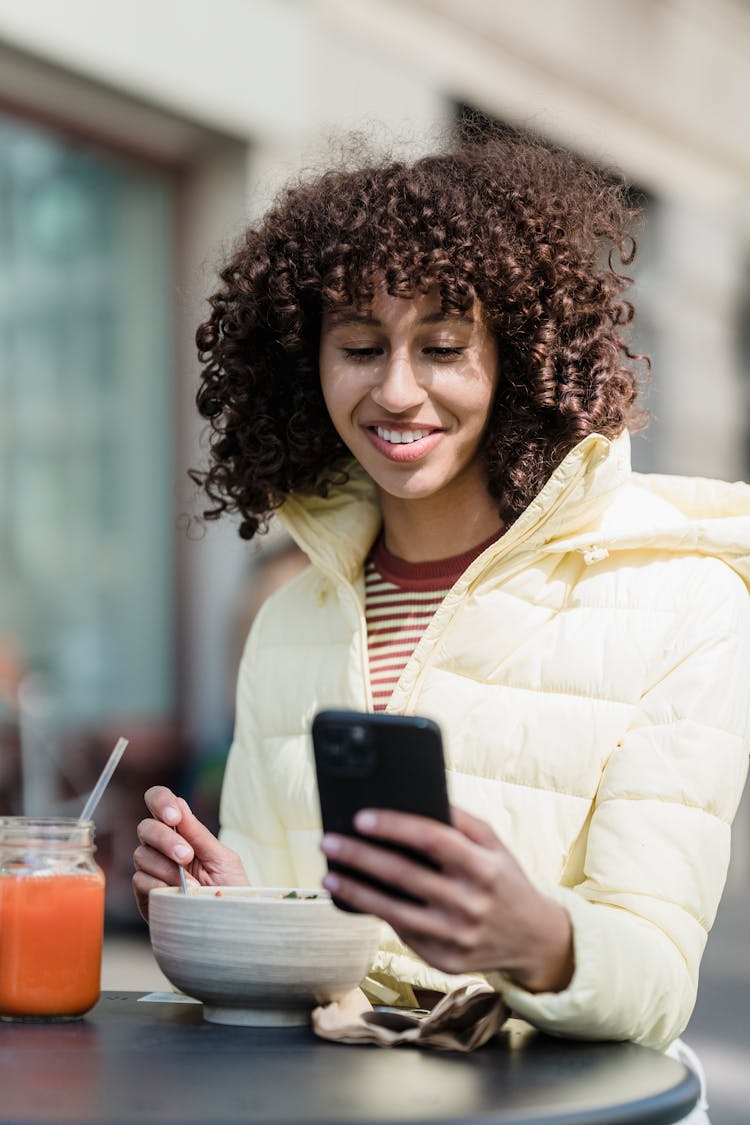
[365,820]
[331,845]
[181,852]
[171,814]
[331,882]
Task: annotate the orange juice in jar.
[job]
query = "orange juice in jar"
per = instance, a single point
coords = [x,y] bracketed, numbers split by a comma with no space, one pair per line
[51,918]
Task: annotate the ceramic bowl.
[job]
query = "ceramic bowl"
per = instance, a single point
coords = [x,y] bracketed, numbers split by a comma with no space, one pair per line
[255,957]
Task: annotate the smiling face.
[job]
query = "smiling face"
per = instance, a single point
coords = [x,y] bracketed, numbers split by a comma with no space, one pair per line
[409,390]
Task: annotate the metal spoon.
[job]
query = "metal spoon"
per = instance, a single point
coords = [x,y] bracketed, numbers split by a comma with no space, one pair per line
[181,869]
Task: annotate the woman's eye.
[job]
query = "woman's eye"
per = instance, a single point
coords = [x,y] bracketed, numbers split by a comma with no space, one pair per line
[444,353]
[361,354]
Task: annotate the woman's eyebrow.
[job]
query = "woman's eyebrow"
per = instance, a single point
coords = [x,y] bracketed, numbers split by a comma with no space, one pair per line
[337,319]
[446,318]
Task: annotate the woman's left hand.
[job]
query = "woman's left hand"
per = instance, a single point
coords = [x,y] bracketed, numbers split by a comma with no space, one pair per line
[478,912]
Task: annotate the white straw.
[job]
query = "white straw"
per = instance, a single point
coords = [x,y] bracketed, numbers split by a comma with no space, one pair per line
[101,785]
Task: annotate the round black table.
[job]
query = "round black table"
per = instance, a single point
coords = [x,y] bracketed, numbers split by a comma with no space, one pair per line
[132,1062]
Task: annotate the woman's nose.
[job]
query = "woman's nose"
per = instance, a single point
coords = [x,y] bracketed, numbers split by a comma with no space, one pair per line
[398,388]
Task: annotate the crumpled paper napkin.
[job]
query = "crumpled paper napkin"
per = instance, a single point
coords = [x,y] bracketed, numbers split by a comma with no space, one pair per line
[462,1021]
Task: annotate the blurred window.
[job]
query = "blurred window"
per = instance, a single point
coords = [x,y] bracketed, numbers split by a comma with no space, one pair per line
[86,422]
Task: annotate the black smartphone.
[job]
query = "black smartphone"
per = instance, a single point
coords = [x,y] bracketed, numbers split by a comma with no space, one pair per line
[378,761]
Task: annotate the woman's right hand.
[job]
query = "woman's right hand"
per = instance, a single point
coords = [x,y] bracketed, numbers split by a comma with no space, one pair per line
[162,851]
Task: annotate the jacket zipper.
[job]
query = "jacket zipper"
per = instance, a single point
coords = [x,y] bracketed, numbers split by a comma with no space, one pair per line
[507,548]
[461,599]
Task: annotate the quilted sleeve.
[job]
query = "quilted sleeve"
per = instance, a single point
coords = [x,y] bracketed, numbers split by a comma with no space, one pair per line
[658,845]
[249,821]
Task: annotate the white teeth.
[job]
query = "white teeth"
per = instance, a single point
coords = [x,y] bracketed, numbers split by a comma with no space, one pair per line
[400,437]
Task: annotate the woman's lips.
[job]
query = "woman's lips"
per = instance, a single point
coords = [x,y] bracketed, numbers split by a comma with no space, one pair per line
[404,451]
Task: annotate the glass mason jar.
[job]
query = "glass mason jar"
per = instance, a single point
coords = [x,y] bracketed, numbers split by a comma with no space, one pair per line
[51,918]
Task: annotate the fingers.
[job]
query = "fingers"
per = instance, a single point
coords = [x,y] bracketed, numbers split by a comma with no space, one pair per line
[445,933]
[156,865]
[192,839]
[409,876]
[469,869]
[163,805]
[159,845]
[162,850]
[205,845]
[447,845]
[399,914]
[472,912]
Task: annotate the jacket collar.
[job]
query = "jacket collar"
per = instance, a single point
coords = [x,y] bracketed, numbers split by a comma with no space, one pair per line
[574,511]
[337,532]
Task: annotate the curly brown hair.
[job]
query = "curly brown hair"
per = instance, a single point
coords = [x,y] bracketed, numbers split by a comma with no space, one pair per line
[524,227]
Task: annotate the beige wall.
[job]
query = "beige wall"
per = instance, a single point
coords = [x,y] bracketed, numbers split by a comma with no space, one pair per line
[659,86]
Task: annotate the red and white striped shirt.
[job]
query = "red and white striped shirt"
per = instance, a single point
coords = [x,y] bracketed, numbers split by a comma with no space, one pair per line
[400,599]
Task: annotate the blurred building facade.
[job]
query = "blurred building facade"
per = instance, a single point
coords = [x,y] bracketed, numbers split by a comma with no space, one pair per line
[137,139]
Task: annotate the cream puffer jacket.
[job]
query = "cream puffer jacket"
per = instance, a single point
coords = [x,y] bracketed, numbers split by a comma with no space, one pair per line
[590,672]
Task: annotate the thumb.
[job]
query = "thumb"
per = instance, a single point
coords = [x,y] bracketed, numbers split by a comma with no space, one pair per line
[206,847]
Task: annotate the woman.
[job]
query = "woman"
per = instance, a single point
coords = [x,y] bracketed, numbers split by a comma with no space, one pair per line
[422,368]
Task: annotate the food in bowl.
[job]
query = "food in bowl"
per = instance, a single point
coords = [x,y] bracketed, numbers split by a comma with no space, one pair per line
[260,956]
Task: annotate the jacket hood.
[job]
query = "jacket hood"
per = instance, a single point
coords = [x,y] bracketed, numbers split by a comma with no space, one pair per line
[676,514]
[593,503]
